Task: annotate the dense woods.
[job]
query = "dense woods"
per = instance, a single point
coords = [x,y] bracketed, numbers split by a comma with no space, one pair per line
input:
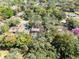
[39,29]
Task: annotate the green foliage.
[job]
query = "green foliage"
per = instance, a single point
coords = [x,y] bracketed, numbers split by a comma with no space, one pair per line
[66,45]
[40,10]
[12,22]
[72,23]
[6,11]
[23,39]
[49,21]
[35,19]
[39,49]
[51,44]
[14,55]
[4,28]
[9,39]
[58,14]
[28,14]
[17,1]
[1,38]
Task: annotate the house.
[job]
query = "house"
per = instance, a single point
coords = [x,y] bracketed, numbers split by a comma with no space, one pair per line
[33,30]
[36,30]
[19,28]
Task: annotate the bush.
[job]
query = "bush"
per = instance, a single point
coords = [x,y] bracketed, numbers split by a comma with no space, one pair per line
[3,53]
[5,11]
[41,50]
[14,55]
[58,14]
[12,22]
[4,28]
[40,10]
[23,39]
[66,45]
[1,38]
[36,19]
[72,23]
[9,39]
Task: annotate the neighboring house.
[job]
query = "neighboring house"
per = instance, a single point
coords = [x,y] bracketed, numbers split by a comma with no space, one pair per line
[35,30]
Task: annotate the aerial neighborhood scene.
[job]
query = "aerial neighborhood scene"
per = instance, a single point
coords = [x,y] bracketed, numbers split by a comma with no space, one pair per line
[39,29]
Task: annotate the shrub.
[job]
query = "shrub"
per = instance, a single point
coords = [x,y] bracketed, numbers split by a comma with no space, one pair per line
[58,14]
[66,45]
[23,39]
[40,10]
[35,19]
[12,22]
[49,22]
[72,23]
[14,55]
[4,28]
[9,39]
[1,38]
[6,11]
[41,50]
[17,1]
[3,53]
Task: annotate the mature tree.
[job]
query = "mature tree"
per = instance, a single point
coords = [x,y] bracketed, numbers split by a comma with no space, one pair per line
[66,45]
[39,49]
